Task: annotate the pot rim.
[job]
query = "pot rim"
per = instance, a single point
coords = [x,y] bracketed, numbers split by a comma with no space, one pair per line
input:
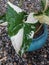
[45,31]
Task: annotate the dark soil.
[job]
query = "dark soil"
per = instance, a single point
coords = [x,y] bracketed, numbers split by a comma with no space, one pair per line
[39,32]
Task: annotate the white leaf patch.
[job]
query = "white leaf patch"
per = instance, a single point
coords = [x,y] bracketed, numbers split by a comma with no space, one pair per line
[16,8]
[32,34]
[31,19]
[17,40]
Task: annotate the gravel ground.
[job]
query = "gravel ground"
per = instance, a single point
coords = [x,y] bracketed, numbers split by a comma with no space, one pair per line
[27,5]
[39,57]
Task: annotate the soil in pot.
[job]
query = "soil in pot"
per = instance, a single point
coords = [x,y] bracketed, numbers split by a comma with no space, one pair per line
[39,30]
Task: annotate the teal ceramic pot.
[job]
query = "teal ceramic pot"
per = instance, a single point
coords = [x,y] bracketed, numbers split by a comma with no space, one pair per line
[40,41]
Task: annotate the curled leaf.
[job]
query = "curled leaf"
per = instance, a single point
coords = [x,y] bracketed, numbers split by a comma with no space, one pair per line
[43,19]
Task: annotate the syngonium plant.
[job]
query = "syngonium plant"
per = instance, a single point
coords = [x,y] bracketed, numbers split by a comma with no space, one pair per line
[20,31]
[21,26]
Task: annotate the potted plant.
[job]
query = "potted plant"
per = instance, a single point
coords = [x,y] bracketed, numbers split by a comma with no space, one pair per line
[23,29]
[43,18]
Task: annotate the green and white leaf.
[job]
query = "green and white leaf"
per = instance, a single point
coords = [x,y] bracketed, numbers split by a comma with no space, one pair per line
[15,18]
[21,32]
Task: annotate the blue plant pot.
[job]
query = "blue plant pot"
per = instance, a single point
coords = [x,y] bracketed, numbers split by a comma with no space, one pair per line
[40,41]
